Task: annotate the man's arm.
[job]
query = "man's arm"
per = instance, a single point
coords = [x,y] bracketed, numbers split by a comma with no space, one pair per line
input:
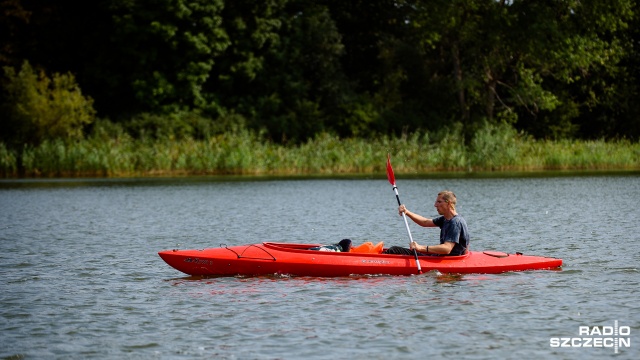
[442,249]
[418,219]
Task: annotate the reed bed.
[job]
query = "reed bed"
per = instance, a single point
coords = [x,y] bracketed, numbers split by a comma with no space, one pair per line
[245,153]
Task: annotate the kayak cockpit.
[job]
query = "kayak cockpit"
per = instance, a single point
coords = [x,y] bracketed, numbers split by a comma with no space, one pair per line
[306,248]
[289,246]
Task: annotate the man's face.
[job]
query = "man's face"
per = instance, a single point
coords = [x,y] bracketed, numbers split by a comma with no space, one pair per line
[441,205]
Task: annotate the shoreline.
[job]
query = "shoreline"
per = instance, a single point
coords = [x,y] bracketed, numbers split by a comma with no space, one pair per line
[549,173]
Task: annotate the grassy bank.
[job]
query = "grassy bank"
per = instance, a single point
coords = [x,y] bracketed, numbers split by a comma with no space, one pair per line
[491,149]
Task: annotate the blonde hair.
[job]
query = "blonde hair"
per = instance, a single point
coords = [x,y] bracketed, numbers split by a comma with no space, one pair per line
[449,197]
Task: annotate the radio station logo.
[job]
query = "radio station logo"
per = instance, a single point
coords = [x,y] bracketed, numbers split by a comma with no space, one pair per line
[614,337]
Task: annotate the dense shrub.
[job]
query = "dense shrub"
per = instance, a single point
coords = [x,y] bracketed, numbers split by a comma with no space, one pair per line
[37,107]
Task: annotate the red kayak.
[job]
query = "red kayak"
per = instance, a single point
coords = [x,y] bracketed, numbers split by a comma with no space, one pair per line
[271,258]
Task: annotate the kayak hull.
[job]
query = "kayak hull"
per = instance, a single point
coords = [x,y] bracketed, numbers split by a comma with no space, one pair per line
[270,258]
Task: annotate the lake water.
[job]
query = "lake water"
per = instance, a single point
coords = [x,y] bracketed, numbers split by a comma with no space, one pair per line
[80,276]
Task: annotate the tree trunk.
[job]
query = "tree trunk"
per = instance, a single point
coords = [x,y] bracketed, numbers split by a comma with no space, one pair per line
[490,86]
[457,69]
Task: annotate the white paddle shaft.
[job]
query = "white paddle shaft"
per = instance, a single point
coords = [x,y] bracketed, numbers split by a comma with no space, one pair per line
[406,224]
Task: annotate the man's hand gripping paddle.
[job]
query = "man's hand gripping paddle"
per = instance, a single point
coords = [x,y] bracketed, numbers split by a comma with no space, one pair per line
[392,180]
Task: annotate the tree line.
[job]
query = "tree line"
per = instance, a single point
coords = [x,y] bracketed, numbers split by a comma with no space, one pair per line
[292,69]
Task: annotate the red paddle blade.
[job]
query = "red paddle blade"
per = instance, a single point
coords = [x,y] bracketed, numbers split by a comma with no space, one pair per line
[390,176]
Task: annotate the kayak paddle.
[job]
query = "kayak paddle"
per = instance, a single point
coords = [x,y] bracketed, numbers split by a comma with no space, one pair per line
[392,180]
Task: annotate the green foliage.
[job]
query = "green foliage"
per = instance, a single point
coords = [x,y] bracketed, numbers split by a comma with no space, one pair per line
[536,59]
[449,148]
[8,161]
[360,118]
[284,70]
[39,107]
[168,49]
[294,69]
[496,147]
[175,125]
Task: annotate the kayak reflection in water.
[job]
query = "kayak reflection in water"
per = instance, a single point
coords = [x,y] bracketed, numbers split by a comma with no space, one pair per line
[343,246]
[454,235]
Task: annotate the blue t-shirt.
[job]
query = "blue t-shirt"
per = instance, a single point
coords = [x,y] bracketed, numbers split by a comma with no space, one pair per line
[454,230]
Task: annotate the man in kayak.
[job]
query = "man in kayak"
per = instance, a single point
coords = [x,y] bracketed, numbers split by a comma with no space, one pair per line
[454,235]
